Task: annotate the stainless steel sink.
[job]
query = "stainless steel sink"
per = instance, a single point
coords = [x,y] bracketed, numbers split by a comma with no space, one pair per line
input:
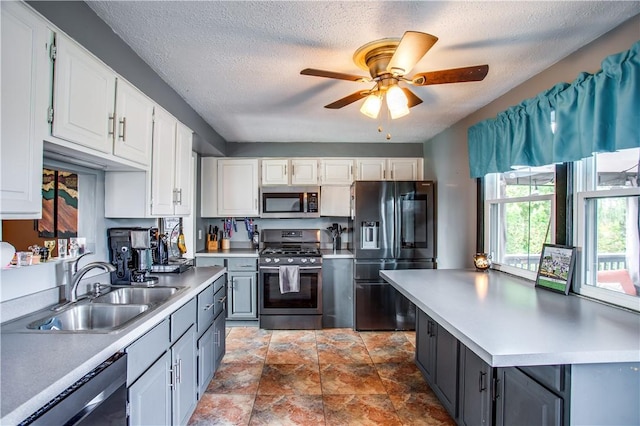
[90,317]
[137,295]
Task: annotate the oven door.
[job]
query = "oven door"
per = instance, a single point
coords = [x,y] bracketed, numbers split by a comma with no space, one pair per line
[307,301]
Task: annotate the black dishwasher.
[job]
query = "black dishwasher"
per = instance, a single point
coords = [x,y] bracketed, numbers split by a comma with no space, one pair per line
[98,398]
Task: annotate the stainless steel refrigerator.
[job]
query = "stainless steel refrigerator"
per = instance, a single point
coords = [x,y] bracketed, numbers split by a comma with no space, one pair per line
[393,227]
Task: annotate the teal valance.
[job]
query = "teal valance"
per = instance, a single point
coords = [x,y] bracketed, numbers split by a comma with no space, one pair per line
[595,113]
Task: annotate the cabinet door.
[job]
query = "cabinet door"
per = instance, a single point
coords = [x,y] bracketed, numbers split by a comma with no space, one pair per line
[275,172]
[336,172]
[220,339]
[183,183]
[150,395]
[404,169]
[425,344]
[25,85]
[242,293]
[335,201]
[522,401]
[446,370]
[163,163]
[206,309]
[238,187]
[185,377]
[371,169]
[206,360]
[84,97]
[208,187]
[304,172]
[337,293]
[475,394]
[134,127]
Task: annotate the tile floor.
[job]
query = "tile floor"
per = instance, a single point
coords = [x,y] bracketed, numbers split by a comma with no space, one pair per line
[319,377]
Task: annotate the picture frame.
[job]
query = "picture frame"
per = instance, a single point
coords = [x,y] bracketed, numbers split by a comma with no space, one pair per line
[555,270]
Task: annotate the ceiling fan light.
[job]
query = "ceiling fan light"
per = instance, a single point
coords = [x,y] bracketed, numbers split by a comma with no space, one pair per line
[371,106]
[397,102]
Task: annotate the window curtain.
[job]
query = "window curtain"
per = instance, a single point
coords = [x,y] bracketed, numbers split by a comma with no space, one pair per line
[595,113]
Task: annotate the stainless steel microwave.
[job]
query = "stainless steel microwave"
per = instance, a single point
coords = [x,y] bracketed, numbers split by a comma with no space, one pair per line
[290,201]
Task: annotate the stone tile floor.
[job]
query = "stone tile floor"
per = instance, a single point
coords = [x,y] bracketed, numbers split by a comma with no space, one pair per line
[319,377]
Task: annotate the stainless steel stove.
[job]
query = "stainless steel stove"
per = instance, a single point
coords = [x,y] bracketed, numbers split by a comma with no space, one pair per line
[290,284]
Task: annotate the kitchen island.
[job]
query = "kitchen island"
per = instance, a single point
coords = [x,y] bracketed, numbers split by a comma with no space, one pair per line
[39,365]
[591,349]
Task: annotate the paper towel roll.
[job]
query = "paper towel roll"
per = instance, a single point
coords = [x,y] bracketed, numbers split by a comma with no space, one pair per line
[6,253]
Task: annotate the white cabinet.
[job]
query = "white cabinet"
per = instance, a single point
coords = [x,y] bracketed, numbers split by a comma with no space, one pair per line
[297,171]
[208,187]
[134,124]
[84,97]
[95,108]
[336,171]
[170,167]
[25,85]
[389,169]
[238,187]
[335,201]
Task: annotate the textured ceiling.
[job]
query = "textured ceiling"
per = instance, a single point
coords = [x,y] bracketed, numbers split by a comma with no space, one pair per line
[238,63]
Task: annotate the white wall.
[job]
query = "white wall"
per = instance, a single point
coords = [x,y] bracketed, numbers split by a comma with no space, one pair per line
[446,156]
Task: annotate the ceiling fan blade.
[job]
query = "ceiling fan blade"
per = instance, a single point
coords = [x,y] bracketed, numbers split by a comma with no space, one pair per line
[411,49]
[348,99]
[453,75]
[411,97]
[332,74]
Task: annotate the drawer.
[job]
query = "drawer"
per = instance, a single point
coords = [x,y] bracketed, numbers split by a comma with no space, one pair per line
[242,264]
[142,353]
[205,309]
[209,261]
[182,319]
[220,304]
[219,283]
[551,376]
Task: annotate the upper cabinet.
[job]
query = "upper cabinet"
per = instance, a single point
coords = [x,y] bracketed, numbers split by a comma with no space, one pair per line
[95,108]
[299,171]
[26,40]
[389,169]
[336,171]
[134,124]
[171,166]
[238,187]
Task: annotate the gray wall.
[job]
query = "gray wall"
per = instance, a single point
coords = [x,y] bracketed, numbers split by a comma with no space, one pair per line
[80,22]
[304,149]
[446,155]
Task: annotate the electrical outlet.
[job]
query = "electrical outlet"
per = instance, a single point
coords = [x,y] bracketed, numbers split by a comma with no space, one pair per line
[199,234]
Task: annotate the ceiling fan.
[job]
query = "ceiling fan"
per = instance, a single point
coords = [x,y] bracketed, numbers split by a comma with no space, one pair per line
[388,60]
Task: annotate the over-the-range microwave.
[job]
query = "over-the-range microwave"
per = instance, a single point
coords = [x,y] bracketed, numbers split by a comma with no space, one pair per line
[290,201]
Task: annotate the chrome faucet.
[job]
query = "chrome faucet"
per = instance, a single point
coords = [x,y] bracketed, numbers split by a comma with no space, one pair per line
[77,274]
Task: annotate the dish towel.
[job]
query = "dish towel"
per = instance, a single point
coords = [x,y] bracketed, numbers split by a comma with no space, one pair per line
[289,279]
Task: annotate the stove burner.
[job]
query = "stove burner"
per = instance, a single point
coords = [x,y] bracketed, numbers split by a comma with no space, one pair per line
[290,251]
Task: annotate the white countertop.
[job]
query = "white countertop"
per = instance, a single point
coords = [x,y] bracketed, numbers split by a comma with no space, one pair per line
[37,366]
[508,322]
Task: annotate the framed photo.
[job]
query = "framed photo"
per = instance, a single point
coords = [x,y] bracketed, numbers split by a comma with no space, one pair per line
[556,268]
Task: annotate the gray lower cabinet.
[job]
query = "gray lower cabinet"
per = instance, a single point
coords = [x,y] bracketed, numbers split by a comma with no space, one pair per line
[437,358]
[243,295]
[523,401]
[337,293]
[219,340]
[183,357]
[206,360]
[211,342]
[150,396]
[476,380]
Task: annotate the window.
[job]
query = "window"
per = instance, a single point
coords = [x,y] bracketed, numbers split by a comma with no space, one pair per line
[607,219]
[519,217]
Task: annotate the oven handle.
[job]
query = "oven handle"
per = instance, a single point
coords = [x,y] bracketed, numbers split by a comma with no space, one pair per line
[304,268]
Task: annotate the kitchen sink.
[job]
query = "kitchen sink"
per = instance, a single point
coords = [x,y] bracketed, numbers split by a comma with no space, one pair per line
[137,295]
[90,317]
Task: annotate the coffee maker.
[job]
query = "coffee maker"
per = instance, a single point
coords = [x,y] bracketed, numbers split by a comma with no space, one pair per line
[131,252]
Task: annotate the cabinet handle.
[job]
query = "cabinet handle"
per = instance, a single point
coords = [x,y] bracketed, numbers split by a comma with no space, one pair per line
[224,303]
[112,124]
[179,191]
[172,379]
[391,174]
[482,386]
[293,170]
[256,201]
[216,340]
[123,126]
[208,307]
[178,371]
[285,170]
[384,174]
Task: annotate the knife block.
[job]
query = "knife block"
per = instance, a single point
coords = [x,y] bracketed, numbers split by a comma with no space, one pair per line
[212,245]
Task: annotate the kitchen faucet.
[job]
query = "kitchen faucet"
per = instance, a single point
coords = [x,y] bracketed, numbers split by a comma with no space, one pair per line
[77,274]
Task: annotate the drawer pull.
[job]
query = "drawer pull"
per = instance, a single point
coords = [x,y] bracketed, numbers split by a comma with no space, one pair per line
[208,307]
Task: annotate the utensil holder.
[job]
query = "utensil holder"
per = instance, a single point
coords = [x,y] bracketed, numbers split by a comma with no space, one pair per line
[225,244]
